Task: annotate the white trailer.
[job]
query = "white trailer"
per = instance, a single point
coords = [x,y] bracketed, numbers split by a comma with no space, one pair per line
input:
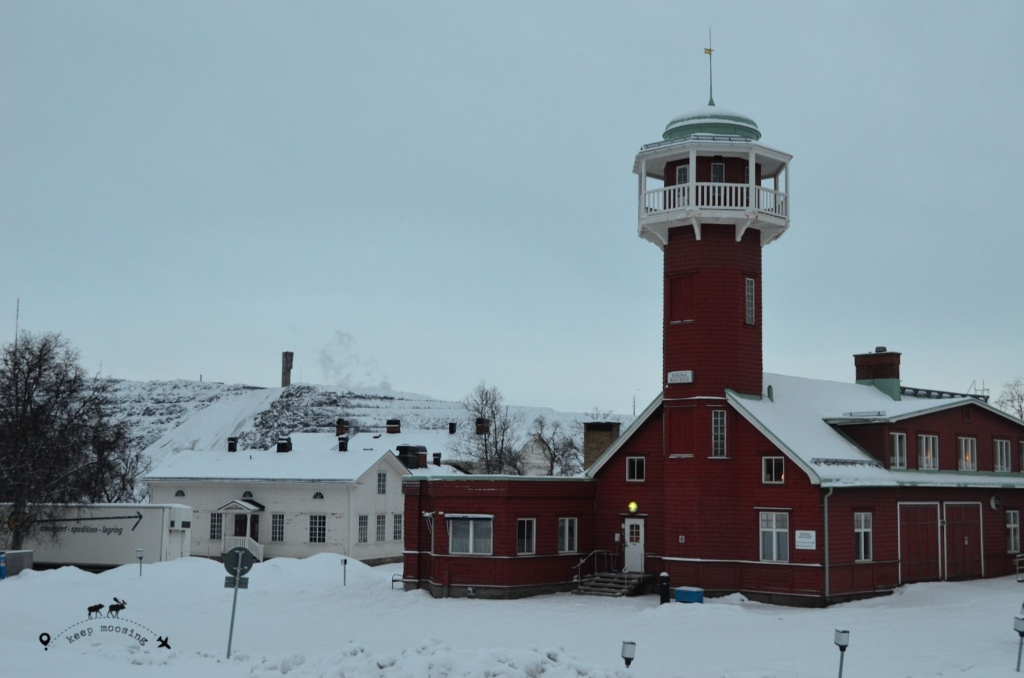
[100,536]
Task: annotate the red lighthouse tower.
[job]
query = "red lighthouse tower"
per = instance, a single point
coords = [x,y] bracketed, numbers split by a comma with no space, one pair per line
[711,196]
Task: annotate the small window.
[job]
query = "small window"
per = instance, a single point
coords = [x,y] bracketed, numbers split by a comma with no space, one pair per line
[525,536]
[718,172]
[928,453]
[364,529]
[398,527]
[247,495]
[1013,531]
[566,535]
[751,305]
[862,537]
[897,450]
[277,527]
[635,469]
[317,529]
[1002,455]
[775,537]
[179,493]
[682,174]
[718,433]
[318,495]
[968,454]
[382,532]
[470,536]
[382,483]
[773,470]
[216,526]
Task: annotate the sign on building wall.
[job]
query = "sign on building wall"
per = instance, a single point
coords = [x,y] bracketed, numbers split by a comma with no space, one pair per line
[806,540]
[681,377]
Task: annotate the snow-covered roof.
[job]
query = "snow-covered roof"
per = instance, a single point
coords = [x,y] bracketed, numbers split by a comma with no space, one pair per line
[313,457]
[797,420]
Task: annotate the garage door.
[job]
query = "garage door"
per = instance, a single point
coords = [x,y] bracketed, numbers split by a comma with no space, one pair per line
[919,543]
[963,541]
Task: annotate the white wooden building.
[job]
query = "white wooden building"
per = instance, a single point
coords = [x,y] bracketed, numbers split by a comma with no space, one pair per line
[303,497]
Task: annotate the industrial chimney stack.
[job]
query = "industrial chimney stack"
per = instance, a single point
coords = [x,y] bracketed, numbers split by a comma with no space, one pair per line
[286,368]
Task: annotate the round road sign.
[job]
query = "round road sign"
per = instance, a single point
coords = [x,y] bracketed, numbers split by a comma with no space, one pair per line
[236,556]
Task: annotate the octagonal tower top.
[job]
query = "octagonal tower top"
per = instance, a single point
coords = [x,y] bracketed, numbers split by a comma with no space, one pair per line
[711,120]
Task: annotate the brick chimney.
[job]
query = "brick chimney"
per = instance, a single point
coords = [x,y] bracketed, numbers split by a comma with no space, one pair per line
[233,444]
[483,426]
[286,368]
[422,457]
[452,427]
[284,444]
[880,369]
[437,458]
[597,437]
[342,443]
[341,427]
[394,426]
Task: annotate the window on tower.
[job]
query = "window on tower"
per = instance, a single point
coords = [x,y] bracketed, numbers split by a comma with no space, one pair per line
[681,298]
[751,305]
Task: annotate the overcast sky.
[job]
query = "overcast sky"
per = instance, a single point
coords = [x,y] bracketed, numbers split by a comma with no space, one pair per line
[441,193]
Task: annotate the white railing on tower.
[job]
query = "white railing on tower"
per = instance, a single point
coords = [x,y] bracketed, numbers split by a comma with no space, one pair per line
[714,195]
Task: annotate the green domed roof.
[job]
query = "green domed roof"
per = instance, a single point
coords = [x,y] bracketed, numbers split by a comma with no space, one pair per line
[711,120]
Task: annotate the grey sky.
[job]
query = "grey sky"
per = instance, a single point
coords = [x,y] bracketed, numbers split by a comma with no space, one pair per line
[190,188]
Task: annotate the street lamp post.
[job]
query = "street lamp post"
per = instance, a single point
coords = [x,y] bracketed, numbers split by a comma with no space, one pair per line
[138,554]
[842,640]
[628,652]
[1018,626]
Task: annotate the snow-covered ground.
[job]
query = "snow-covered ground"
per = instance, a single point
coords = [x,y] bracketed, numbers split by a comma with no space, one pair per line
[297,619]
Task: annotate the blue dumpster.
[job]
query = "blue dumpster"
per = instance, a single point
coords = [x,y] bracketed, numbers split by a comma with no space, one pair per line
[689,594]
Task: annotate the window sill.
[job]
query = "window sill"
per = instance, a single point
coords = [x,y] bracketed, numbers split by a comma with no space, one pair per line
[773,482]
[719,457]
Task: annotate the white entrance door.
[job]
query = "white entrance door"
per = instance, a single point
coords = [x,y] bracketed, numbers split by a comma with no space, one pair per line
[634,552]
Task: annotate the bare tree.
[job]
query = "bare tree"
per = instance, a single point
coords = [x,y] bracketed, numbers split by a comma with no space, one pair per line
[1012,398]
[498,449]
[61,439]
[559,449]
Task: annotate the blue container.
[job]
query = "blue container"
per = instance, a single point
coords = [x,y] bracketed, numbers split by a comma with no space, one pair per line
[3,565]
[689,594]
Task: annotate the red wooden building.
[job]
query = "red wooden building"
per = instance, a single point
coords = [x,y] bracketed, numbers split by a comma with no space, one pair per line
[787,489]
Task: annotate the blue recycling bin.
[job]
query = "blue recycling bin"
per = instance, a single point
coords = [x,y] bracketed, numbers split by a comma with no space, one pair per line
[689,594]
[3,565]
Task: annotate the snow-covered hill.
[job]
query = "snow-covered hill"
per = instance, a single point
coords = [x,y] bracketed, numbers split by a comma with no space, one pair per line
[176,415]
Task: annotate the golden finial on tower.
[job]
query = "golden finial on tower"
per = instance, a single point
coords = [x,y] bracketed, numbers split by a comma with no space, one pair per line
[711,76]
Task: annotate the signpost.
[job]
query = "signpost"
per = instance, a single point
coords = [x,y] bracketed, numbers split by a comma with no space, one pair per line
[238,561]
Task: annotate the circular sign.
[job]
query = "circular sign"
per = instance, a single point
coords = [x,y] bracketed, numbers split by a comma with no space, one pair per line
[238,556]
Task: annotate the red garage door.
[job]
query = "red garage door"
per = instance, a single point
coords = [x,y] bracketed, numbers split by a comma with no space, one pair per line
[919,542]
[963,541]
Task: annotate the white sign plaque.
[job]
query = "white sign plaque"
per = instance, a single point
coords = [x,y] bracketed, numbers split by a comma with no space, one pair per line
[681,377]
[806,540]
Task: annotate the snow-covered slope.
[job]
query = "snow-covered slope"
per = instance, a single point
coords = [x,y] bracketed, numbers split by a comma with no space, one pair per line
[170,416]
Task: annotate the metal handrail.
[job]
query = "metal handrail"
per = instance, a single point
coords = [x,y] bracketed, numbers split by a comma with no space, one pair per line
[579,565]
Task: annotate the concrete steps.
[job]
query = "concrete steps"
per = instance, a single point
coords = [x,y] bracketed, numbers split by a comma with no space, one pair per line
[611,584]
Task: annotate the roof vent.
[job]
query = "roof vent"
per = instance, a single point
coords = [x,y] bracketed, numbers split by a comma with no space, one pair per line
[233,444]
[284,444]
[880,349]
[394,426]
[452,427]
[342,443]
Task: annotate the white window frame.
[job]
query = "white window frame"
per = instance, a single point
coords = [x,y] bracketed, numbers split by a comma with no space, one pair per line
[398,527]
[216,526]
[364,529]
[636,469]
[472,545]
[751,301]
[277,527]
[526,545]
[382,482]
[568,533]
[928,452]
[1013,531]
[967,459]
[775,524]
[713,166]
[682,175]
[897,450]
[863,542]
[382,527]
[768,468]
[317,528]
[718,434]
[1001,452]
